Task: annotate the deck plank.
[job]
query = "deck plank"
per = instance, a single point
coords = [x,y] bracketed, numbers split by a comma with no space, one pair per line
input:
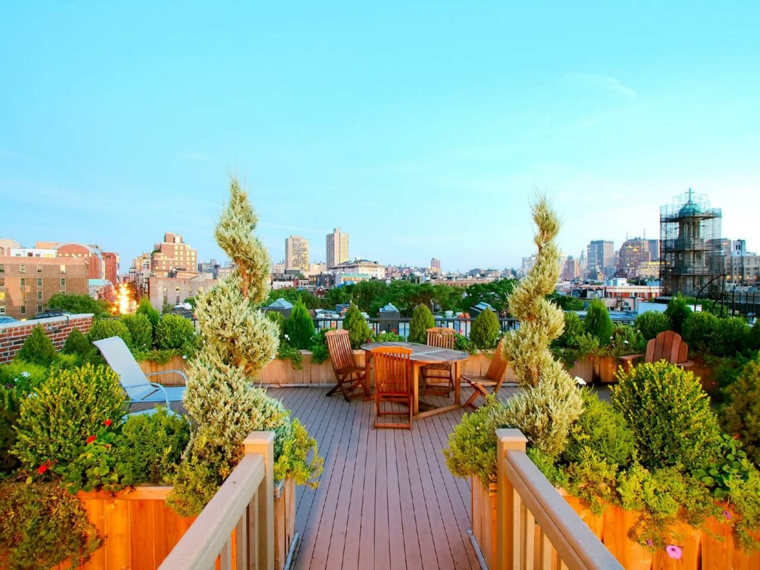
[386,498]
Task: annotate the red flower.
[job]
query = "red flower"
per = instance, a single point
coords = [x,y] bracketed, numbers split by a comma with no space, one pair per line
[107,423]
[91,439]
[44,467]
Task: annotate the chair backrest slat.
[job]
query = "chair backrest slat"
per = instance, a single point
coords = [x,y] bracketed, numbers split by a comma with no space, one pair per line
[120,359]
[498,368]
[339,347]
[392,369]
[441,337]
[669,346]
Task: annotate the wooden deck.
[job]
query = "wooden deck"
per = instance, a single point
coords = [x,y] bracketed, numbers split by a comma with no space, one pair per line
[386,498]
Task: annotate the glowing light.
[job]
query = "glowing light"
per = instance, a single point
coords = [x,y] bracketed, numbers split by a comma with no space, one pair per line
[123,305]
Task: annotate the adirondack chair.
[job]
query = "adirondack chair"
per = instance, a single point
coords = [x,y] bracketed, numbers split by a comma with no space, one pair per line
[667,345]
[393,384]
[349,376]
[133,380]
[494,378]
[443,338]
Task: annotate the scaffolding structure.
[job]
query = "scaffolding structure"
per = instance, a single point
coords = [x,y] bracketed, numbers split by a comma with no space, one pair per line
[691,249]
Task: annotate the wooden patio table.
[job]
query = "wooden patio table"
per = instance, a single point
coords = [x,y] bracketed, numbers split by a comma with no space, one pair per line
[422,354]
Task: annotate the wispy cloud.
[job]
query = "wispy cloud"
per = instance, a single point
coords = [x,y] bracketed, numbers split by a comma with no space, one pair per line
[605,82]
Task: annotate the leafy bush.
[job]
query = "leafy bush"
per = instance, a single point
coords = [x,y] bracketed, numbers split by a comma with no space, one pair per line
[78,345]
[38,348]
[22,376]
[293,460]
[472,445]
[106,328]
[485,330]
[175,332]
[652,323]
[740,415]
[300,327]
[574,344]
[625,340]
[669,414]
[150,446]
[67,409]
[731,337]
[602,430]
[279,320]
[598,322]
[141,330]
[42,526]
[422,320]
[753,338]
[319,351]
[145,308]
[93,465]
[357,327]
[9,410]
[678,311]
[698,331]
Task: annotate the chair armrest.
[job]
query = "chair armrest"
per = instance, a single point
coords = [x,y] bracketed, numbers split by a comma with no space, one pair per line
[168,372]
[165,393]
[627,361]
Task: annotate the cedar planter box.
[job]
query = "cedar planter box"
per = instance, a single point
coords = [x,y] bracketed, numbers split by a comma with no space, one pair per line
[709,549]
[605,368]
[174,363]
[139,529]
[583,369]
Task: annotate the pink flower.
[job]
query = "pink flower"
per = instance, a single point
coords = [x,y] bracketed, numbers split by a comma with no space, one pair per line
[727,515]
[107,423]
[649,542]
[44,467]
[674,551]
[91,439]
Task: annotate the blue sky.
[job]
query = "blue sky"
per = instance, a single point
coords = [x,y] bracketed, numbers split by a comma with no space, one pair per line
[420,128]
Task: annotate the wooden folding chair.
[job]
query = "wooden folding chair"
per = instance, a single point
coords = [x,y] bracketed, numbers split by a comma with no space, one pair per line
[493,379]
[349,376]
[393,384]
[440,337]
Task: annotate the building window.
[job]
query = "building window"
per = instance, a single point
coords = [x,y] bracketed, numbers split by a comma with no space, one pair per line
[23,310]
[2,310]
[39,308]
[39,281]
[39,295]
[2,268]
[63,269]
[2,281]
[2,295]
[23,295]
[63,282]
[22,282]
[22,268]
[39,269]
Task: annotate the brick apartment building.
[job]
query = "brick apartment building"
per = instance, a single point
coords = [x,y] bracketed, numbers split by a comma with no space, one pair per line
[172,255]
[27,283]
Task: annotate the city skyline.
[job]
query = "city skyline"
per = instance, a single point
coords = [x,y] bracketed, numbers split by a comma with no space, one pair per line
[422,130]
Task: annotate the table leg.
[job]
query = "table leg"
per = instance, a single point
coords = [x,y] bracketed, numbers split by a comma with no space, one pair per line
[416,387]
[457,385]
[367,377]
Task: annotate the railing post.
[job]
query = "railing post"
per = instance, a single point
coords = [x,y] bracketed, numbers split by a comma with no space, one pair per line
[508,511]
[262,442]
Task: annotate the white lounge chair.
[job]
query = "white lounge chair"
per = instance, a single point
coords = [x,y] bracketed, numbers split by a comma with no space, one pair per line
[132,378]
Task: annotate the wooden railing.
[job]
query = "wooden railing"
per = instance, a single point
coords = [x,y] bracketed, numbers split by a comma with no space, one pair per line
[535,524]
[236,529]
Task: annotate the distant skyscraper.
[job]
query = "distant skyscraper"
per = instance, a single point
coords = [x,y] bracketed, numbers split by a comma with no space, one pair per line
[601,254]
[173,254]
[337,248]
[435,264]
[633,253]
[297,253]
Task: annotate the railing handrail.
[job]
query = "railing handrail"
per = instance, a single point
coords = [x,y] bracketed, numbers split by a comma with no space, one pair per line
[576,545]
[209,535]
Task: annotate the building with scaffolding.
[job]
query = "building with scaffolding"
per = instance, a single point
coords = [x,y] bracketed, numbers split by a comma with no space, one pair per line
[691,255]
